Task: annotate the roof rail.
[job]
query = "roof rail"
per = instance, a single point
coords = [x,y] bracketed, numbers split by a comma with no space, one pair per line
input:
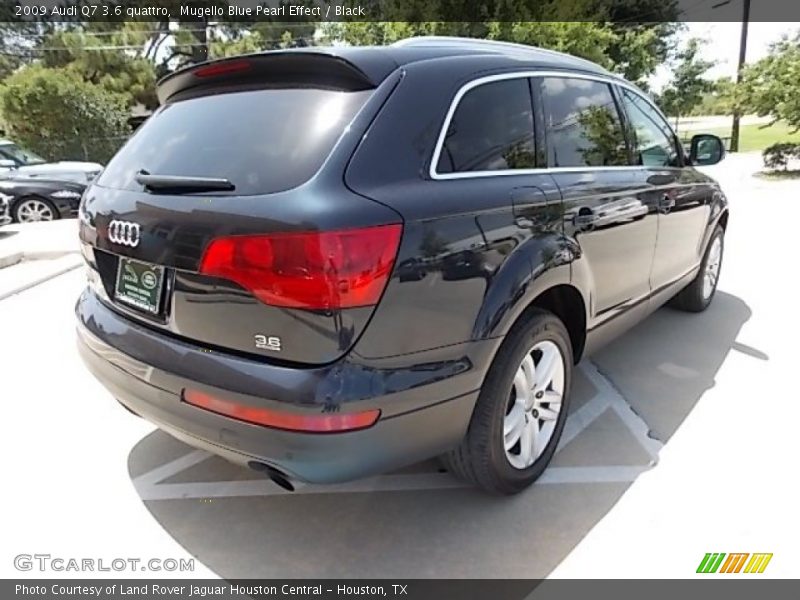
[508,47]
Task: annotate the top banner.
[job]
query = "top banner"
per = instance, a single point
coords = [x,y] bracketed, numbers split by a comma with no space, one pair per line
[626,12]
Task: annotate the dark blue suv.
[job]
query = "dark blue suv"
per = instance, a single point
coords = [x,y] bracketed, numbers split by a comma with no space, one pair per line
[325,263]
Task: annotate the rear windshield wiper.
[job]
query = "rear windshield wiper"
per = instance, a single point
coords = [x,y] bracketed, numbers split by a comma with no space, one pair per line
[179,184]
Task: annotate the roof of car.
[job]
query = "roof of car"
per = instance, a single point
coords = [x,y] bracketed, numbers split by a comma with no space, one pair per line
[369,65]
[423,48]
[415,49]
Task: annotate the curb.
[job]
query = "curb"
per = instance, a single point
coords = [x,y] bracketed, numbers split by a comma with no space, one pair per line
[39,280]
[11,259]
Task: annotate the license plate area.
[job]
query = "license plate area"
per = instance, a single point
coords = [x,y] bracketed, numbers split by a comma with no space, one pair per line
[139,285]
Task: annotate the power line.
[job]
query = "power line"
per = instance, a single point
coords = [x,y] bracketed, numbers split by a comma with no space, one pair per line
[32,51]
[151,31]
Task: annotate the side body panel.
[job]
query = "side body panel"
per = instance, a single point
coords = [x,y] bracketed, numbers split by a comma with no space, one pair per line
[476,248]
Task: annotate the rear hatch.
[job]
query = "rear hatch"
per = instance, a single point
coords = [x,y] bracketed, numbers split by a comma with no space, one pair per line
[225,219]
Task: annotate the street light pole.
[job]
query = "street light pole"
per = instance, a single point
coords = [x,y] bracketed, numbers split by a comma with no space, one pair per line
[742,56]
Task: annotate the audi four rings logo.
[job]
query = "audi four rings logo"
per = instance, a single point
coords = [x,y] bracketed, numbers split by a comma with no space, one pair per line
[124,233]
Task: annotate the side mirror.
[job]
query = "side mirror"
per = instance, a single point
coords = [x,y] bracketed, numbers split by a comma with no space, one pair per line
[7,164]
[706,149]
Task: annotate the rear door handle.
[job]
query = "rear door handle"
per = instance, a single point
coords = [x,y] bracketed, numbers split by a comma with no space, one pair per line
[666,203]
[585,219]
[530,206]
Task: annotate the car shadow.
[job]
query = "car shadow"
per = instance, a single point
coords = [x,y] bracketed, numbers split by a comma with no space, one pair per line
[668,361]
[243,528]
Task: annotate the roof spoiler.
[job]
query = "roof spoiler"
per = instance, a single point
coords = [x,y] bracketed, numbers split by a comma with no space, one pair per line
[319,67]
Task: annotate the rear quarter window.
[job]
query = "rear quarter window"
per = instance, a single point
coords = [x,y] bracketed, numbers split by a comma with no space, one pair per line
[491,130]
[263,141]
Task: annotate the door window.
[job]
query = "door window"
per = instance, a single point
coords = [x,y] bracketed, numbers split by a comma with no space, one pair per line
[653,143]
[583,124]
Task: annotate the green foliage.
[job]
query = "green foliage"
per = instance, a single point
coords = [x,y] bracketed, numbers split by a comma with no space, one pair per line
[778,155]
[63,117]
[771,86]
[633,46]
[687,88]
[721,100]
[102,60]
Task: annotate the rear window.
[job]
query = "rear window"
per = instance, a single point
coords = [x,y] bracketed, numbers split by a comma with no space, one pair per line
[263,141]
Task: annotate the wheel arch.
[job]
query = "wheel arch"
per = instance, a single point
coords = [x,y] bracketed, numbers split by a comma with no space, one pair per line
[722,221]
[552,291]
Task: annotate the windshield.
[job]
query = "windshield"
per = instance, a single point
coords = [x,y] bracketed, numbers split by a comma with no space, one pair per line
[20,155]
[262,141]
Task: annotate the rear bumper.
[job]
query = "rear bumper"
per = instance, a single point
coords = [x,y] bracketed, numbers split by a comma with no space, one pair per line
[417,422]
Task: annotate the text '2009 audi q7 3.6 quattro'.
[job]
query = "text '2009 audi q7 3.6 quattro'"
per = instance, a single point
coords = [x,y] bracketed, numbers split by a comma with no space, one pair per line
[329,263]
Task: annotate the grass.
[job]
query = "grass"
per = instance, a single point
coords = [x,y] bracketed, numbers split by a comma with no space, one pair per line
[755,138]
[778,174]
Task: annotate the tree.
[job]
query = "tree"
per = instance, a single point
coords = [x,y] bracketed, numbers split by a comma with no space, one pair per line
[107,54]
[62,117]
[771,86]
[644,35]
[584,28]
[688,86]
[721,100]
[17,39]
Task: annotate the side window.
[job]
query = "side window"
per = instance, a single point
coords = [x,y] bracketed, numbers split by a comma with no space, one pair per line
[491,130]
[583,125]
[653,144]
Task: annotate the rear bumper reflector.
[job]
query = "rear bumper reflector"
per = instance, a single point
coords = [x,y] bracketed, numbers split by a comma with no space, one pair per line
[310,423]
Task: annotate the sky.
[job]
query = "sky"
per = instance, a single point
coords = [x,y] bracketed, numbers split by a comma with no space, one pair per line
[723,45]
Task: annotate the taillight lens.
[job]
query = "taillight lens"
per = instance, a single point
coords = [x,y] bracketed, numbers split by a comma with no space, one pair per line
[312,270]
[320,423]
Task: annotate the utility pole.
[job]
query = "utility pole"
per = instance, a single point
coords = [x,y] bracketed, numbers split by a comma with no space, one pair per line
[742,56]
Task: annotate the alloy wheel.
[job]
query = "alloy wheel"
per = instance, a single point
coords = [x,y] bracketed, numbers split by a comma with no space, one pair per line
[713,262]
[33,210]
[534,404]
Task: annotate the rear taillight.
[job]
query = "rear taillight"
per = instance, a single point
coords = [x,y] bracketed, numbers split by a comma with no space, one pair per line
[312,270]
[319,423]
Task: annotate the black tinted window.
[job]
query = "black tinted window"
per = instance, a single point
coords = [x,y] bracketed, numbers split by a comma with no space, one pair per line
[491,129]
[653,146]
[583,125]
[263,141]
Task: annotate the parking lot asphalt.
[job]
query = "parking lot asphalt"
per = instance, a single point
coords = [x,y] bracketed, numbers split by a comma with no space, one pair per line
[679,443]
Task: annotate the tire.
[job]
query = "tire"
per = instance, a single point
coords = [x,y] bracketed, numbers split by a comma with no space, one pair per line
[696,296]
[483,457]
[35,205]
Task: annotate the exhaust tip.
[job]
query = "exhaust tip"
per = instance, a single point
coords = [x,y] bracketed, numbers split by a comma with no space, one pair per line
[277,477]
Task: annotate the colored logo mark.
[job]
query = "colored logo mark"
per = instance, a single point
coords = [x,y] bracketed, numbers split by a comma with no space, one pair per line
[719,562]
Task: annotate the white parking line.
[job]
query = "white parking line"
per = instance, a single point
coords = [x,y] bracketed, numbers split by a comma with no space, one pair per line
[149,487]
[171,468]
[637,425]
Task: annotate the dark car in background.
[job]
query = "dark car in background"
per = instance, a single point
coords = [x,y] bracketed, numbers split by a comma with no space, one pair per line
[16,161]
[32,200]
[5,211]
[329,263]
